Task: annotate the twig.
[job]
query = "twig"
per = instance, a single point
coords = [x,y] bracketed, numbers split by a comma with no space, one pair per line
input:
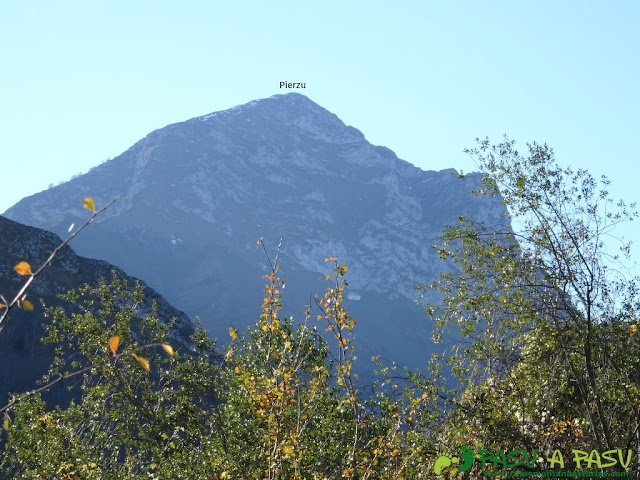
[62,377]
[20,294]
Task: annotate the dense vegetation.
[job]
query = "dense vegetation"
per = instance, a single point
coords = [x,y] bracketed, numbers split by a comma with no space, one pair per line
[549,351]
[545,358]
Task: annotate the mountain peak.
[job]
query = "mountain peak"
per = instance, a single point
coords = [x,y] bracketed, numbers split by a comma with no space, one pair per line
[292,110]
[291,100]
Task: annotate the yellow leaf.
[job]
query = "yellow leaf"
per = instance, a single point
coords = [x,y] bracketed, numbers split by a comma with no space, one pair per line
[233,333]
[26,305]
[287,450]
[259,241]
[142,361]
[5,423]
[89,204]
[168,348]
[114,342]
[634,329]
[23,268]
[2,305]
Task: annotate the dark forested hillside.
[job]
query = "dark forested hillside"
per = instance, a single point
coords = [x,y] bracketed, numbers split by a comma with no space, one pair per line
[23,358]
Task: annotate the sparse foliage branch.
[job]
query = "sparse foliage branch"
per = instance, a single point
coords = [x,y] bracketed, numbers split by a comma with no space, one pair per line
[542,308]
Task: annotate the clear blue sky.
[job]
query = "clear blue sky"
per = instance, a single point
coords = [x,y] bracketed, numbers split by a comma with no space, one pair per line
[81,81]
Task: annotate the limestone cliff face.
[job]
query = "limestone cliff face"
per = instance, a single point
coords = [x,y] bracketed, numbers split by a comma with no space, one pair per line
[198,194]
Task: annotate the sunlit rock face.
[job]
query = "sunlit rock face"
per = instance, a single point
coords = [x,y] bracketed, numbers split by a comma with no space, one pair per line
[198,194]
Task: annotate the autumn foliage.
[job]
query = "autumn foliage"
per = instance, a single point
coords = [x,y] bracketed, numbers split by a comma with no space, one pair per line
[281,401]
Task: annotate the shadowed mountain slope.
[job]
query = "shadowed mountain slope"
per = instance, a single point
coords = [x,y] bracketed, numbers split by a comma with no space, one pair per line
[23,358]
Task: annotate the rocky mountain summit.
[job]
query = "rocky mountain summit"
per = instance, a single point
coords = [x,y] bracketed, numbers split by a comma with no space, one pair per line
[23,358]
[198,194]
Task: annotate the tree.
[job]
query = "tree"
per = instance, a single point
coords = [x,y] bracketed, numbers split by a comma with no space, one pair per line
[280,403]
[124,416]
[544,310]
